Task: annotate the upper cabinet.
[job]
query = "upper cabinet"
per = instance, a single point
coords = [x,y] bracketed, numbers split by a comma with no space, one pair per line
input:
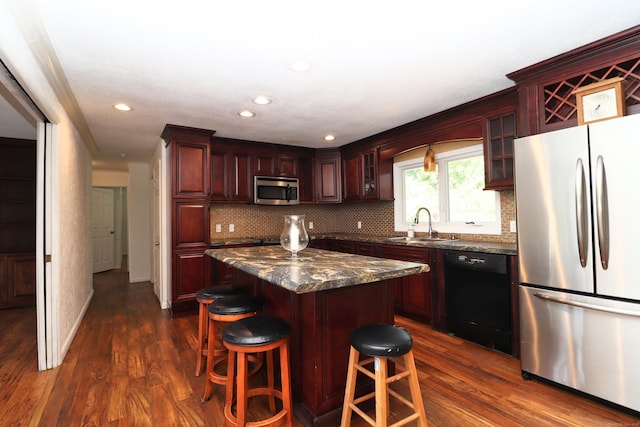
[190,160]
[498,148]
[328,176]
[231,172]
[279,160]
[362,178]
[235,162]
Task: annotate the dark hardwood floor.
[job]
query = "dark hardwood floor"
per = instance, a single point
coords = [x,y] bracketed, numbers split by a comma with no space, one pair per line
[130,364]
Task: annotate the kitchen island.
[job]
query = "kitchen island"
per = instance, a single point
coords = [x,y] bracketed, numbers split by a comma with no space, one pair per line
[323,295]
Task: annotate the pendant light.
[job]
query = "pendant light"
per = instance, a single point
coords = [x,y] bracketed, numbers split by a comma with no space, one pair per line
[429,160]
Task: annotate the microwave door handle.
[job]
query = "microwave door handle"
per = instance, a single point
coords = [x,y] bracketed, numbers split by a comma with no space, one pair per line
[581,213]
[288,193]
[602,212]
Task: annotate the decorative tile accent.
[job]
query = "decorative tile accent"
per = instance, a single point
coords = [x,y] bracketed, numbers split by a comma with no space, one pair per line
[376,218]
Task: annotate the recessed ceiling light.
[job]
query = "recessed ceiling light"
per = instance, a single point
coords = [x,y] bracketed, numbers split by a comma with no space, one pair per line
[300,66]
[122,107]
[246,113]
[329,137]
[261,100]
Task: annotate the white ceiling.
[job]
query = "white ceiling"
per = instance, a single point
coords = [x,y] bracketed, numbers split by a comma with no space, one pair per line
[374,65]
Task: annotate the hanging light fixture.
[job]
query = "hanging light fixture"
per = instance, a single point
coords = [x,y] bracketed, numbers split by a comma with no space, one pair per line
[429,160]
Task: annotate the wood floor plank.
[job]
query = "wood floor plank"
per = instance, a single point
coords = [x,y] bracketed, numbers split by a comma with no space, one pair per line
[131,364]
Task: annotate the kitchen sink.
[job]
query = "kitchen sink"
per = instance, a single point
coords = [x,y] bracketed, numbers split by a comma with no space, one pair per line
[408,239]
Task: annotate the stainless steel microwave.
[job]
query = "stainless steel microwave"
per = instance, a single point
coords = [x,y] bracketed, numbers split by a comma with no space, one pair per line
[269,190]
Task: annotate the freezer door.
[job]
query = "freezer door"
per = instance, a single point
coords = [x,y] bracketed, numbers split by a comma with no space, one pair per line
[553,209]
[586,343]
[615,152]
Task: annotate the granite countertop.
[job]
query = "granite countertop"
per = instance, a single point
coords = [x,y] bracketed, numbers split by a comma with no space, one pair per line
[458,245]
[315,269]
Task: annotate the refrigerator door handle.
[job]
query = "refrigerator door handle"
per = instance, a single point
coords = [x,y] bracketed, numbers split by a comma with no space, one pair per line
[587,305]
[602,212]
[581,213]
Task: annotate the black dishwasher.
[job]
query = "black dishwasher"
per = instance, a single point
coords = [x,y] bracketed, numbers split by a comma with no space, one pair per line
[478,298]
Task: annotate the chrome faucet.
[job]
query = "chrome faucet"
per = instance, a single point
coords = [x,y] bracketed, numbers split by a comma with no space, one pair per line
[416,220]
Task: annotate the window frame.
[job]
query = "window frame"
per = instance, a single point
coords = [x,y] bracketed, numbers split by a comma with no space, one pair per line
[442,159]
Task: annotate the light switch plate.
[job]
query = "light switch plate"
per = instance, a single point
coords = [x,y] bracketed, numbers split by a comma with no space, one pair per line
[310,225]
[512,226]
[218,228]
[232,228]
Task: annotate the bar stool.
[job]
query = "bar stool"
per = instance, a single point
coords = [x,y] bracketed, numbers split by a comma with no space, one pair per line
[381,342]
[205,297]
[260,333]
[227,309]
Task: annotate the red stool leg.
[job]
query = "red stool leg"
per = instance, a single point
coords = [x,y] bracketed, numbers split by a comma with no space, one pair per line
[211,344]
[202,334]
[285,379]
[242,381]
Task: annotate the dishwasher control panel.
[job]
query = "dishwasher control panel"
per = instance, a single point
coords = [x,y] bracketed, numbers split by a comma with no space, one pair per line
[496,263]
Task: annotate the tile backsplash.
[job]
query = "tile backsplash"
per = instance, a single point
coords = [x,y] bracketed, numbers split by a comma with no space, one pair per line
[376,218]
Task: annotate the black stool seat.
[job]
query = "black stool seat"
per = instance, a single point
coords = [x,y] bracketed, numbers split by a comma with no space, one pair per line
[235,304]
[381,340]
[215,292]
[256,331]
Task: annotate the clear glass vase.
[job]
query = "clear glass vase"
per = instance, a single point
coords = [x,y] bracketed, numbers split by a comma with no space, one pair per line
[294,237]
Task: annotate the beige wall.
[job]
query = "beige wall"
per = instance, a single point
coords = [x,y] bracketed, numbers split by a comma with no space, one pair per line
[70,188]
[105,178]
[139,202]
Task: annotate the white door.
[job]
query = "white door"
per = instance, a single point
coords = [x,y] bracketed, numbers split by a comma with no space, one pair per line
[102,229]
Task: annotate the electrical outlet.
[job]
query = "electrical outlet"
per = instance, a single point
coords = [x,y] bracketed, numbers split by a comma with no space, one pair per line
[512,226]
[359,224]
[232,228]
[310,225]
[218,228]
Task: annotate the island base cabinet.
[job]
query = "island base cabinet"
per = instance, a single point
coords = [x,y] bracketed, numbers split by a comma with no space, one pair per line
[321,338]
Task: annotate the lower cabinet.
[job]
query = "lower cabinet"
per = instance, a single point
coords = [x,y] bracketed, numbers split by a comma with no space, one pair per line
[190,273]
[17,280]
[412,294]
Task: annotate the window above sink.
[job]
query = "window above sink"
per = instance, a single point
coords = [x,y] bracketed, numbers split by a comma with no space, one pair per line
[454,193]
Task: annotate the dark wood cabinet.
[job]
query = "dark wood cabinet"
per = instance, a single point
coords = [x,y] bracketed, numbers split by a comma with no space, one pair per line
[412,294]
[191,224]
[265,164]
[328,176]
[231,172]
[235,162]
[498,148]
[189,161]
[278,161]
[17,280]
[351,177]
[362,176]
[346,246]
[192,164]
[17,222]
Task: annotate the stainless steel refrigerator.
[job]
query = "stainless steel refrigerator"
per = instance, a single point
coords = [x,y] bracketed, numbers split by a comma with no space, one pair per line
[578,220]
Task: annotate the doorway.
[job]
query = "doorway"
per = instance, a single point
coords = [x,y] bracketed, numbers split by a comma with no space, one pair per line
[22,148]
[108,227]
